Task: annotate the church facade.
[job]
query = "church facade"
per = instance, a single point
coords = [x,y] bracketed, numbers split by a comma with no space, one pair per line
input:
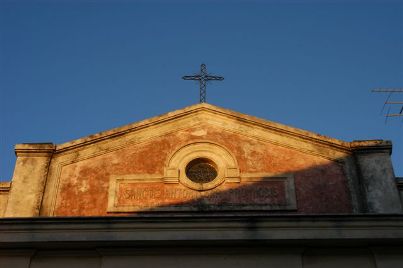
[203,186]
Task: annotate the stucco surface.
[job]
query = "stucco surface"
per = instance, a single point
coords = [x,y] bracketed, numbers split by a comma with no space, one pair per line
[3,203]
[321,185]
[320,174]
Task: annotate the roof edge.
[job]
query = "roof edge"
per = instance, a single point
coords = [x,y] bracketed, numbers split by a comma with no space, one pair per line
[263,123]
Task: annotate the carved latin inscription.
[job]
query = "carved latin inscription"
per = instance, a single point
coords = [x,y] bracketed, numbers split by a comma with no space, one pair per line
[257,193]
[131,193]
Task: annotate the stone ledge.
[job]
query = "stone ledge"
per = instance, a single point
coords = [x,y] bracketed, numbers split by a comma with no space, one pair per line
[34,149]
[399,183]
[134,231]
[5,187]
[371,146]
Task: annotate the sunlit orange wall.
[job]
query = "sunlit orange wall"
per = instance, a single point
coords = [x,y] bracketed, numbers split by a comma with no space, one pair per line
[321,185]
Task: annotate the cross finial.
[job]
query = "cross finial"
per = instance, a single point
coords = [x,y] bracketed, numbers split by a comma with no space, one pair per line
[203,77]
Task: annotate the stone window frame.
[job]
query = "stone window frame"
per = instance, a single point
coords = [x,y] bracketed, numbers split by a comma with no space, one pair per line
[227,166]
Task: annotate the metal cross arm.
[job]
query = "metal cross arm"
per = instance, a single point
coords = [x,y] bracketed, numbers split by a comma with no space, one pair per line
[197,77]
[203,77]
[191,77]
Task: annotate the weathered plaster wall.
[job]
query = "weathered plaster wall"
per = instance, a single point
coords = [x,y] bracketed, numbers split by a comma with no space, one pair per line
[3,203]
[29,179]
[331,176]
[380,182]
[4,191]
[400,188]
[377,177]
[321,185]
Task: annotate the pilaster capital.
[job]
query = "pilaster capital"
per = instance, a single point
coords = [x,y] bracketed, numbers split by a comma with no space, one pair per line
[371,146]
[34,149]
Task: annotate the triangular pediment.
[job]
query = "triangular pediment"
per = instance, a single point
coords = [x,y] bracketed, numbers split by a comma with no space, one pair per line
[209,115]
[122,166]
[202,158]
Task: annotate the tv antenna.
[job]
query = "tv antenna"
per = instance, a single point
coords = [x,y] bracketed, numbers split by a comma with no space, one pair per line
[395,108]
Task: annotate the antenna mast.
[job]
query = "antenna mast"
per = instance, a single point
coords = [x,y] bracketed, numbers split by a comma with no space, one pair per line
[391,104]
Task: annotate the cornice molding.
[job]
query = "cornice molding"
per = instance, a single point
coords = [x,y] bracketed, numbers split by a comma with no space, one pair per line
[371,146]
[296,133]
[34,149]
[201,229]
[5,187]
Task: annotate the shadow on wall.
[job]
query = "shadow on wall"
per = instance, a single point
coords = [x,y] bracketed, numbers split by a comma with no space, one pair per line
[317,189]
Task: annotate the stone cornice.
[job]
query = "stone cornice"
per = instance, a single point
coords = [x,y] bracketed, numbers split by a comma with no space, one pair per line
[34,149]
[231,115]
[132,231]
[399,183]
[5,187]
[371,146]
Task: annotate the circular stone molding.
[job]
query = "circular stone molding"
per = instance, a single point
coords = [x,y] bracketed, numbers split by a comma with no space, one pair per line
[201,166]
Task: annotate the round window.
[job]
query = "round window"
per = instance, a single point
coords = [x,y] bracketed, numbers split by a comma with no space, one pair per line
[201,170]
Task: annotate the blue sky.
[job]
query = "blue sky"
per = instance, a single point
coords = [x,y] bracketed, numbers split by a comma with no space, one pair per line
[74,68]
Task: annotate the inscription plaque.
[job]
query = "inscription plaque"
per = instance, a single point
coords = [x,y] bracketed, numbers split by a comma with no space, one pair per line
[253,193]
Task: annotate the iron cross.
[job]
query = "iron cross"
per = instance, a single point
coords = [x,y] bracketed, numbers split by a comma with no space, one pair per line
[203,77]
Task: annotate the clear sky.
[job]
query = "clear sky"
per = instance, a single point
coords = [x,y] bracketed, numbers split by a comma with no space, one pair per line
[74,68]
